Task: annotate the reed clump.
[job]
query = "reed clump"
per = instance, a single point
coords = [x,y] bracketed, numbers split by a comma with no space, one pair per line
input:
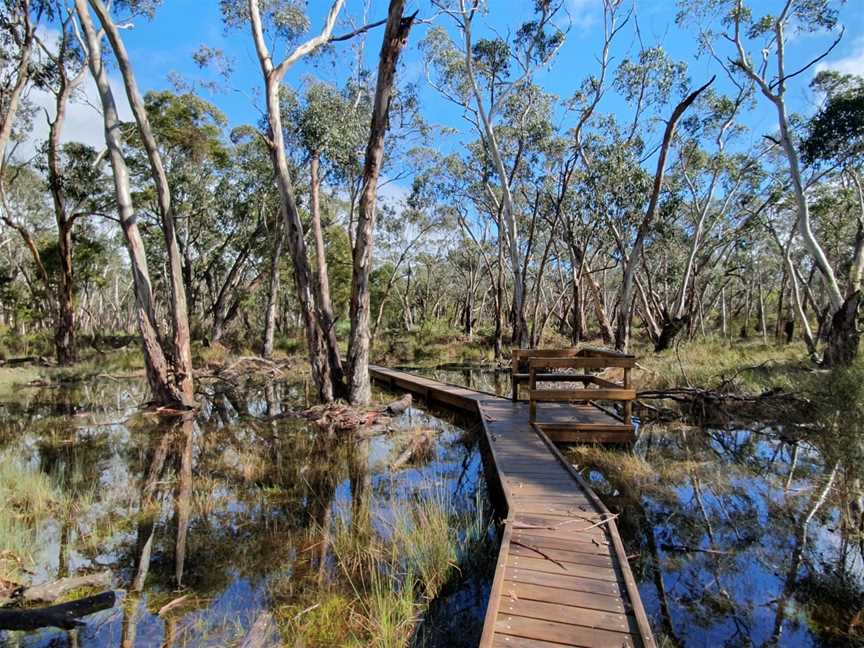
[386,570]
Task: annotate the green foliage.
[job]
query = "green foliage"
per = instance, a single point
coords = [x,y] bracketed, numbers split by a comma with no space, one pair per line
[286,18]
[335,125]
[836,132]
[652,79]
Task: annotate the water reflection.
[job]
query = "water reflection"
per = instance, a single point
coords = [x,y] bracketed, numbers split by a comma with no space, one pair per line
[207,522]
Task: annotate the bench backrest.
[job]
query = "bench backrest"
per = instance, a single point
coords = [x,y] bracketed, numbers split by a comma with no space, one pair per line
[583,359]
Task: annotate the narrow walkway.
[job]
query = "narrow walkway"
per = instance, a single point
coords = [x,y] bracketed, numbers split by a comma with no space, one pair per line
[562,577]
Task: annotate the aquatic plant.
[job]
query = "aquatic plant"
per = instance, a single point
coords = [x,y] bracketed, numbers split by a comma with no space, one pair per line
[26,499]
[394,566]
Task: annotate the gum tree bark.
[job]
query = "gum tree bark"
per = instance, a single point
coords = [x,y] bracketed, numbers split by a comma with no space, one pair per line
[24,37]
[159,371]
[64,336]
[507,217]
[325,304]
[273,292]
[776,94]
[182,348]
[395,37]
[327,378]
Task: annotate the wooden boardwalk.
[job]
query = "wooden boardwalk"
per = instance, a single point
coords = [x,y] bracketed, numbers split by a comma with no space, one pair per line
[562,577]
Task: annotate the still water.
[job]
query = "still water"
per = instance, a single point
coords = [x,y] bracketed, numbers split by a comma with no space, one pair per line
[208,524]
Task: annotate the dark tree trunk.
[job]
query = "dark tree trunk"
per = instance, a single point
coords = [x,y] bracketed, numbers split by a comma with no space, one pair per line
[670,330]
[395,37]
[843,336]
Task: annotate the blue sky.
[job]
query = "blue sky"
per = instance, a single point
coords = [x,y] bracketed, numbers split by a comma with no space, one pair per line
[166,44]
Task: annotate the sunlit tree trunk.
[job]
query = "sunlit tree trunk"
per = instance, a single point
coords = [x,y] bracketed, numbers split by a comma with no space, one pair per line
[395,38]
[323,374]
[159,371]
[182,346]
[325,305]
[273,292]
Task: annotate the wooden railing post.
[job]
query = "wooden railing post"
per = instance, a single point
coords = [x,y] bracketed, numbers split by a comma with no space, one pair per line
[532,385]
[628,404]
[514,381]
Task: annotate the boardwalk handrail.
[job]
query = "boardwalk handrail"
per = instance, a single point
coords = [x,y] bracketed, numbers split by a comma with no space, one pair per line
[585,359]
[520,360]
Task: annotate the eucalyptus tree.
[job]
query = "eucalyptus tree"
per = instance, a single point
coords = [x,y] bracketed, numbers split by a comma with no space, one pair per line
[250,190]
[169,368]
[740,31]
[190,134]
[710,182]
[286,23]
[481,76]
[395,38]
[331,125]
[66,70]
[648,83]
[19,21]
[580,226]
[835,142]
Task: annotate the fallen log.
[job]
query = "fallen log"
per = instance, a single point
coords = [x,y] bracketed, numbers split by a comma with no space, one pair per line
[399,406]
[64,615]
[696,394]
[50,592]
[417,447]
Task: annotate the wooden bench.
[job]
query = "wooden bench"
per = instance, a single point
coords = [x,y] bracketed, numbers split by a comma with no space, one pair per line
[578,416]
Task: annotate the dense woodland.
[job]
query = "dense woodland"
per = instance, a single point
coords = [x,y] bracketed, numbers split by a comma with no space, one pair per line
[536,215]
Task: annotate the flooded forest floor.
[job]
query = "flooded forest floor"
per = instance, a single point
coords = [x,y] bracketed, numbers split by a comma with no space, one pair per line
[247,523]
[740,503]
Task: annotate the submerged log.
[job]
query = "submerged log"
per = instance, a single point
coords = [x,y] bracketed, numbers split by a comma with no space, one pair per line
[417,448]
[50,592]
[64,615]
[399,406]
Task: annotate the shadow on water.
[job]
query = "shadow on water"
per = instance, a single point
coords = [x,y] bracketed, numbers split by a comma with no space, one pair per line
[216,523]
[740,535]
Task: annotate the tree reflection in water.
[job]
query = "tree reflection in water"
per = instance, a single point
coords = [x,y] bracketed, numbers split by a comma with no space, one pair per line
[728,527]
[214,519]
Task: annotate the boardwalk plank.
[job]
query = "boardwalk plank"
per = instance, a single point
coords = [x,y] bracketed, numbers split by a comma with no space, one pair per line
[519,563]
[574,598]
[580,616]
[562,633]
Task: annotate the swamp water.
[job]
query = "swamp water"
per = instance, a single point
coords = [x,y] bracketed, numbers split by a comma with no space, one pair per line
[242,516]
[740,535]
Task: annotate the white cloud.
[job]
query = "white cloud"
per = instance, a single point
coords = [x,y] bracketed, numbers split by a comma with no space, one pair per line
[393,193]
[83,113]
[583,13]
[851,64]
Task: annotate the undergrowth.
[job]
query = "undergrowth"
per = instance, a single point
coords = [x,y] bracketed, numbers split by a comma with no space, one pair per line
[387,571]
